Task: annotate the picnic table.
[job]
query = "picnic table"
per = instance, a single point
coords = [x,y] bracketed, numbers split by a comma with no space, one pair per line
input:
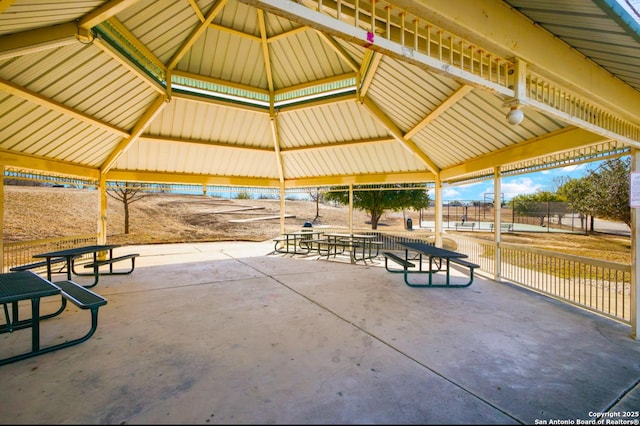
[360,247]
[438,258]
[295,242]
[69,256]
[27,285]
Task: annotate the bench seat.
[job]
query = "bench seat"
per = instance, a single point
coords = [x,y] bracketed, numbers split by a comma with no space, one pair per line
[35,265]
[84,299]
[80,296]
[111,261]
[506,227]
[463,262]
[397,259]
[463,225]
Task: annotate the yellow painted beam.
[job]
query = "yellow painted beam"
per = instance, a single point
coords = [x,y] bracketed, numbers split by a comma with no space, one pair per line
[289,33]
[189,178]
[38,99]
[234,32]
[439,110]
[26,42]
[562,140]
[265,52]
[197,32]
[494,25]
[125,62]
[397,133]
[377,178]
[343,54]
[275,136]
[4,4]
[370,65]
[337,145]
[124,31]
[104,12]
[31,162]
[196,9]
[142,124]
[153,138]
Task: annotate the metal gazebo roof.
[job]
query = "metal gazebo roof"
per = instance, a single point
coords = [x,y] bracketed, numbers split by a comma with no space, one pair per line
[288,94]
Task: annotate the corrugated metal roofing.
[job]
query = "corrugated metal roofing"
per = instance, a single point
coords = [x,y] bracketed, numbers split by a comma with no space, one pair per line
[593,29]
[103,104]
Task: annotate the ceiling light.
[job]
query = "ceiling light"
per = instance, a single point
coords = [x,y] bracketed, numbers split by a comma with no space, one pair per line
[515,116]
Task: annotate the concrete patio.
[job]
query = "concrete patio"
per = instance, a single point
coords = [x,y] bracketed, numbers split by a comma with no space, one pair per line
[224,333]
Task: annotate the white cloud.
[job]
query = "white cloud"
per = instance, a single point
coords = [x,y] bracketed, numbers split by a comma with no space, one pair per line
[520,186]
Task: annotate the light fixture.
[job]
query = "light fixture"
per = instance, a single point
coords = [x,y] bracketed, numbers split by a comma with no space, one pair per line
[515,115]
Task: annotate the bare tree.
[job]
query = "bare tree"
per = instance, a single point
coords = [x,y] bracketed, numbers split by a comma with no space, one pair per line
[127,195]
[316,196]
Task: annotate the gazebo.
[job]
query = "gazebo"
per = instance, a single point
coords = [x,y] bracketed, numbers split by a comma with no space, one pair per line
[295,94]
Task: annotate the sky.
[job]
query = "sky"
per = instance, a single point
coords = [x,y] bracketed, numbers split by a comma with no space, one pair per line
[515,185]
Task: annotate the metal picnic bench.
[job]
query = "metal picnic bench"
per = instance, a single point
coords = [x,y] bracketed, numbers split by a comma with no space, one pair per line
[463,225]
[436,257]
[336,243]
[27,285]
[69,255]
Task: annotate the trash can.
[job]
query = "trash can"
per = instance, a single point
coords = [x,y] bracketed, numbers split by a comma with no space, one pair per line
[307,224]
[409,223]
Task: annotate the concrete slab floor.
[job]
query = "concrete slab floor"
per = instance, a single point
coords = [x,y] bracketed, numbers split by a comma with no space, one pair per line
[224,333]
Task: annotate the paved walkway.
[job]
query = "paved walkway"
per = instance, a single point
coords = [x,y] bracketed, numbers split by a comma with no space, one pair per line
[223,333]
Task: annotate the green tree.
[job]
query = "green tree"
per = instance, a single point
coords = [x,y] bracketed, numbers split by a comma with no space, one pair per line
[534,205]
[577,193]
[603,192]
[610,185]
[376,202]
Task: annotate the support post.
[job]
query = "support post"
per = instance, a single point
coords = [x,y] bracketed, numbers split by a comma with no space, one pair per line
[2,167]
[282,207]
[497,222]
[438,212]
[102,202]
[635,246]
[350,208]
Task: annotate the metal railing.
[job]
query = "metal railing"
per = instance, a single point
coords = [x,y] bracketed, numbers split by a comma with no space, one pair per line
[21,253]
[599,286]
[596,285]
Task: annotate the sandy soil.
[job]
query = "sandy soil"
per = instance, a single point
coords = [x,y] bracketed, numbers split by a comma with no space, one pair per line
[32,213]
[43,212]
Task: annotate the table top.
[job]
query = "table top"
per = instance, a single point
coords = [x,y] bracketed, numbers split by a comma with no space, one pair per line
[297,233]
[23,285]
[361,236]
[433,251]
[77,251]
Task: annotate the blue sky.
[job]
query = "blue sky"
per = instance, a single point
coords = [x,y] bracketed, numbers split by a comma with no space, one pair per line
[515,185]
